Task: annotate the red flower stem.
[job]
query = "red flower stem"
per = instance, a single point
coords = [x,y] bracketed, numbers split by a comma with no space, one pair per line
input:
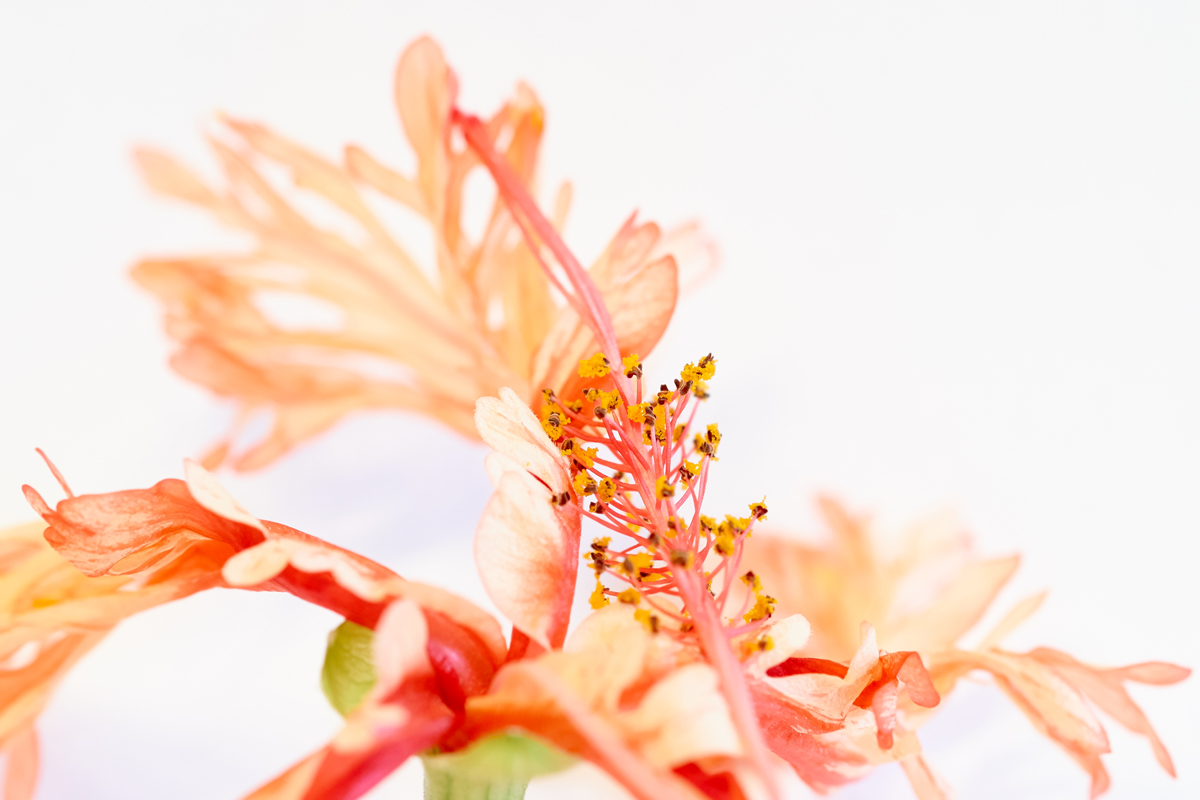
[730,676]
[527,213]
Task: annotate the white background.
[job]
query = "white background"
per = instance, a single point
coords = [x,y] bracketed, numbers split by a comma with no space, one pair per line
[960,270]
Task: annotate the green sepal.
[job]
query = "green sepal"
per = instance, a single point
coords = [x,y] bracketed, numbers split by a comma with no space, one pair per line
[348,673]
[498,767]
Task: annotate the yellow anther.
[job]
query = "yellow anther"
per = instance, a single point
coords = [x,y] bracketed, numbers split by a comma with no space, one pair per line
[636,412]
[631,596]
[752,580]
[606,491]
[575,449]
[632,364]
[679,429]
[594,367]
[707,523]
[660,422]
[649,620]
[759,510]
[764,606]
[587,455]
[702,371]
[713,435]
[584,484]
[609,400]
[575,405]
[682,558]
[724,544]
[641,560]
[602,543]
[766,643]
[733,525]
[663,488]
[688,470]
[552,419]
[598,599]
[700,390]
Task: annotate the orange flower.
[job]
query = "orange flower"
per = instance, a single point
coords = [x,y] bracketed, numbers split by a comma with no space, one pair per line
[614,695]
[436,655]
[127,551]
[403,338]
[926,599]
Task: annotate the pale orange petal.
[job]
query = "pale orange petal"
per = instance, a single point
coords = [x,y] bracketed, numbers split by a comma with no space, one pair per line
[534,697]
[510,428]
[926,784]
[1055,707]
[425,90]
[209,493]
[21,769]
[1104,688]
[959,606]
[399,647]
[682,718]
[1018,614]
[527,552]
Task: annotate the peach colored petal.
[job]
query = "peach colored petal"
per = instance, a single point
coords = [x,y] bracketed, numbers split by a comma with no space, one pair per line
[210,494]
[604,656]
[1055,707]
[926,784]
[425,90]
[527,552]
[533,696]
[641,296]
[362,166]
[1104,688]
[789,635]
[957,608]
[400,339]
[697,254]
[97,533]
[463,612]
[827,696]
[1018,614]
[508,426]
[399,647]
[21,769]
[682,718]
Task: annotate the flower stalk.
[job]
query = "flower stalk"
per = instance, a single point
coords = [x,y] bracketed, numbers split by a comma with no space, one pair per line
[630,449]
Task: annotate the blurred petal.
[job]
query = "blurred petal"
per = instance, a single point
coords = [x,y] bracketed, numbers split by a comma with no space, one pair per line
[957,608]
[682,718]
[393,336]
[21,767]
[926,784]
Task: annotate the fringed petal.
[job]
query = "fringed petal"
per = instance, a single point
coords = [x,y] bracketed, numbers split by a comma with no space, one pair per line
[1104,688]
[401,340]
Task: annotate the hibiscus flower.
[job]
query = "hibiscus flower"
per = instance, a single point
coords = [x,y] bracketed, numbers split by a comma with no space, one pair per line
[925,598]
[401,337]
